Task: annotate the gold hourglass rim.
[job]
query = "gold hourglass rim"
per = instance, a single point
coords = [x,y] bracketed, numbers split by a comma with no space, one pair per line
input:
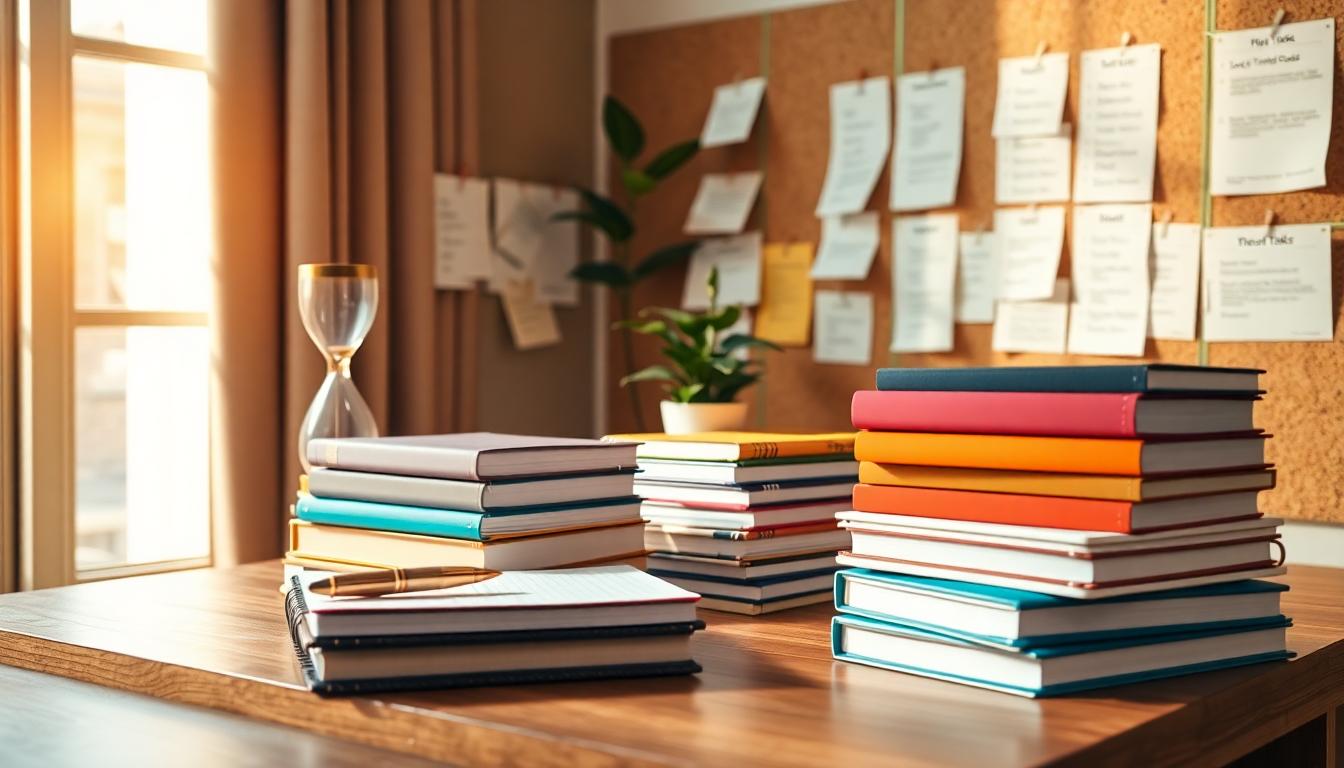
[336,270]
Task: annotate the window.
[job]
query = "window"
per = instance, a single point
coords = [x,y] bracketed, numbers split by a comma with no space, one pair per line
[115,227]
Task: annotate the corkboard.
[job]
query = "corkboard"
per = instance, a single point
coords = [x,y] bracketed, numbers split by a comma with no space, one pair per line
[671,73]
[1304,408]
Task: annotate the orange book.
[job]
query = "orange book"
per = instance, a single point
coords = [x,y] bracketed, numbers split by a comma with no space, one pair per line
[1102,456]
[1055,512]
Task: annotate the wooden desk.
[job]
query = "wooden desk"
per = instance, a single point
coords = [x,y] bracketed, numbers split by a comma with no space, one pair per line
[770,692]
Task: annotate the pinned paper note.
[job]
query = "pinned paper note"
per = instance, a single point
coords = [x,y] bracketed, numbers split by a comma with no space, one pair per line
[975,278]
[1027,246]
[1270,125]
[461,231]
[559,252]
[529,245]
[531,320]
[738,260]
[1030,99]
[1033,169]
[926,161]
[860,139]
[1033,326]
[1110,279]
[843,329]
[785,314]
[723,203]
[1117,124]
[732,112]
[848,245]
[1268,286]
[1174,264]
[923,282]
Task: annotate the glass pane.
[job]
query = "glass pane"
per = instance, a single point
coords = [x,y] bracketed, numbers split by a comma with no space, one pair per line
[177,25]
[141,447]
[142,213]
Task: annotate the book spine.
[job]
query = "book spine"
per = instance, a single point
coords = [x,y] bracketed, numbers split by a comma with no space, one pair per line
[1004,508]
[296,608]
[1003,413]
[1016,379]
[394,459]
[444,523]
[1031,453]
[397,489]
[774,450]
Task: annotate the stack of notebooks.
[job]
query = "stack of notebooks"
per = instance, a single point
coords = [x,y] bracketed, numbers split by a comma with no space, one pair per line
[746,519]
[527,626]
[1046,530]
[503,502]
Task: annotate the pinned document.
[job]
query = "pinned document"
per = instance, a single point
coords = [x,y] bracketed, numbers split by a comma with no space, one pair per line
[1268,285]
[926,161]
[976,283]
[1110,279]
[1033,169]
[843,331]
[1027,245]
[923,282]
[848,245]
[732,112]
[461,231]
[1033,326]
[1030,100]
[1174,263]
[529,245]
[531,321]
[738,260]
[723,203]
[860,139]
[1117,124]
[785,314]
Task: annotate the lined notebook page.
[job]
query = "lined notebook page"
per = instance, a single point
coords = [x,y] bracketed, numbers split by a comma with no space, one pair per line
[606,585]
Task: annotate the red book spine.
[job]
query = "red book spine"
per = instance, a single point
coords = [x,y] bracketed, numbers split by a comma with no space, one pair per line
[996,413]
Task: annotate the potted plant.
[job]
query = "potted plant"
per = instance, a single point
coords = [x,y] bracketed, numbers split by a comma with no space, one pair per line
[615,222]
[704,373]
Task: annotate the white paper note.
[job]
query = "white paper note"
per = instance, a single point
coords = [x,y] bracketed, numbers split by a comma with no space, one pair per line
[1268,287]
[975,278]
[848,245]
[1030,100]
[860,139]
[1027,247]
[1271,108]
[733,112]
[559,252]
[1033,326]
[1174,265]
[842,330]
[723,203]
[529,245]
[738,259]
[923,282]
[461,231]
[1117,124]
[1033,169]
[926,161]
[1110,279]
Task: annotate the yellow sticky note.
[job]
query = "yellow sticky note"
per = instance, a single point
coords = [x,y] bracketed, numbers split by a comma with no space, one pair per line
[785,314]
[531,320]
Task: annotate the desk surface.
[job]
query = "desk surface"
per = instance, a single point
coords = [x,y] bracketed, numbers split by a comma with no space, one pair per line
[770,691]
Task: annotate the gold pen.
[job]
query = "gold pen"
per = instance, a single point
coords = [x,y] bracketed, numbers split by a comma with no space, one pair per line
[395,580]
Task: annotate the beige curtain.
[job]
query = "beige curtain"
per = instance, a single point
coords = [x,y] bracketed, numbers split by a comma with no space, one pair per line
[331,117]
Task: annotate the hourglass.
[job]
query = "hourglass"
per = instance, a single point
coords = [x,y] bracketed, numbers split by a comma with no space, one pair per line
[337,303]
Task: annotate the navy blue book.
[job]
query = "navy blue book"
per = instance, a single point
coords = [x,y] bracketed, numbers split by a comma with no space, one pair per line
[1152,377]
[1054,670]
[1014,618]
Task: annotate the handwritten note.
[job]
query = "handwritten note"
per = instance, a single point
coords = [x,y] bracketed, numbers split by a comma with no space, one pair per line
[785,314]
[923,282]
[732,112]
[1033,169]
[1110,279]
[843,333]
[926,161]
[531,320]
[1030,99]
[848,245]
[976,284]
[1268,286]
[860,138]
[1271,108]
[723,203]
[1027,246]
[1174,264]
[738,260]
[1033,326]
[1117,124]
[461,231]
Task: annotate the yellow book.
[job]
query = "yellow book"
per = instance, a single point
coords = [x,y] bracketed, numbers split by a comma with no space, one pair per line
[738,446]
[1082,486]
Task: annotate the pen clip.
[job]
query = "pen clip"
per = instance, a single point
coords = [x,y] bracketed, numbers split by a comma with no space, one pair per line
[1274,27]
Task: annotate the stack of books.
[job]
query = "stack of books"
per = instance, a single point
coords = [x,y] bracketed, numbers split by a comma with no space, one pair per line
[746,519]
[1046,530]
[523,626]
[503,502]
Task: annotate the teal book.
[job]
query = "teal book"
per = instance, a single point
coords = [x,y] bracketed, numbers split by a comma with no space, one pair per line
[461,524]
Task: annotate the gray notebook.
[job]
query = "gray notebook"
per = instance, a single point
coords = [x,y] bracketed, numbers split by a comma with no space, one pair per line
[472,455]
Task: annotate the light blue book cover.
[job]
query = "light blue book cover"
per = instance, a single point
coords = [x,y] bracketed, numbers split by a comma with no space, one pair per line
[426,521]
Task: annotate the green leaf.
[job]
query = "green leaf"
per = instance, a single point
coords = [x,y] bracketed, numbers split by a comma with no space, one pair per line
[728,390]
[637,182]
[624,132]
[603,214]
[604,272]
[649,328]
[726,318]
[671,159]
[663,258]
[738,340]
[652,373]
[689,393]
[690,323]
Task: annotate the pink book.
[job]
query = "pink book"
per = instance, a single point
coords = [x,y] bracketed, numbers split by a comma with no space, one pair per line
[1071,414]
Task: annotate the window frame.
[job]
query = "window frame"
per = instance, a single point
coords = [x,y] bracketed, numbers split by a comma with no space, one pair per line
[48,317]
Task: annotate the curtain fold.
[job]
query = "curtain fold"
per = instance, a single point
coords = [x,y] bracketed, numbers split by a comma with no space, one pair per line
[356,105]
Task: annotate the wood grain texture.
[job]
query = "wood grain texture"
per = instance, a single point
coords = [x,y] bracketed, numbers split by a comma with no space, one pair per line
[770,693]
[1305,407]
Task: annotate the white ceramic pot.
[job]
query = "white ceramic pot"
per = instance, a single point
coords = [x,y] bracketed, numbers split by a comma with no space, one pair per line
[685,418]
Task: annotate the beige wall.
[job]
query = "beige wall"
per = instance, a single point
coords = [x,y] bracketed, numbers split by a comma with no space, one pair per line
[535,91]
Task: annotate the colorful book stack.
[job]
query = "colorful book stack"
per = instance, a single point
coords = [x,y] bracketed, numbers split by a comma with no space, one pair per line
[746,519]
[503,502]
[1047,530]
